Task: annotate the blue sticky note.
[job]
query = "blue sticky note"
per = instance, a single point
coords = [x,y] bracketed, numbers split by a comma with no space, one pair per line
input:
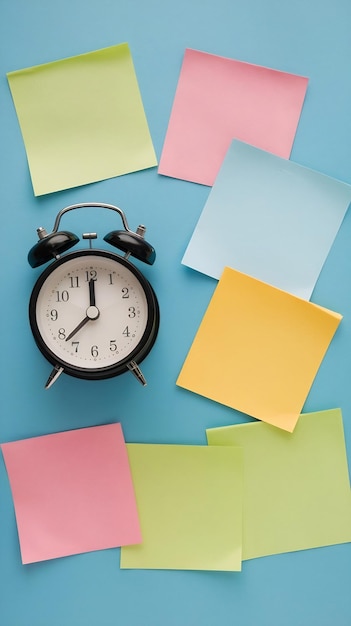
[270,218]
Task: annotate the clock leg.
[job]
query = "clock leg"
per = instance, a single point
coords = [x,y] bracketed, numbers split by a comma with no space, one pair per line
[56,372]
[135,369]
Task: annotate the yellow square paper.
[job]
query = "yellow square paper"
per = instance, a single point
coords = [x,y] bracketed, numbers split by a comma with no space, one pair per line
[296,486]
[258,349]
[82,119]
[187,520]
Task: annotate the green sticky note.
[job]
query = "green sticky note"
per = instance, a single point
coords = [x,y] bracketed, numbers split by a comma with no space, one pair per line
[82,119]
[296,485]
[187,520]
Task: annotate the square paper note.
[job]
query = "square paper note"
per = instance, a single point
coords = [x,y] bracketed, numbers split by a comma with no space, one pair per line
[296,487]
[72,492]
[188,521]
[258,349]
[82,119]
[270,218]
[219,99]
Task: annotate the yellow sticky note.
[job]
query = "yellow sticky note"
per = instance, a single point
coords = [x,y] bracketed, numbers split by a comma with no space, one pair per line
[296,486]
[258,349]
[187,520]
[82,119]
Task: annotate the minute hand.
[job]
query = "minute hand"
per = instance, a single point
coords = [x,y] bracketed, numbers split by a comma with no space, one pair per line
[92,292]
[92,312]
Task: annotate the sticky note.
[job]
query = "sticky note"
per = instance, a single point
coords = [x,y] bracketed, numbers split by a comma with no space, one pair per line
[258,349]
[219,99]
[82,119]
[187,520]
[270,218]
[296,486]
[72,492]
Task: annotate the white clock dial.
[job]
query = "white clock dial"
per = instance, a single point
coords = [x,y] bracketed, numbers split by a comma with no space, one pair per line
[91,311]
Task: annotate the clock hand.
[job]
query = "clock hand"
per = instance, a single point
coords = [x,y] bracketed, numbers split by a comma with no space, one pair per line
[92,292]
[92,311]
[92,314]
[77,328]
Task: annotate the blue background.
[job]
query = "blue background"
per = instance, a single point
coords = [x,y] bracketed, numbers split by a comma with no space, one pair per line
[306,37]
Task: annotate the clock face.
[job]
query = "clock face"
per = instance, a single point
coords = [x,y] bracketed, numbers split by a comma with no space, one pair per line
[92,312]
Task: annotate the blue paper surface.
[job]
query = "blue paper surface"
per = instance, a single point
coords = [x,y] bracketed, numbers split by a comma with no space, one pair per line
[270,218]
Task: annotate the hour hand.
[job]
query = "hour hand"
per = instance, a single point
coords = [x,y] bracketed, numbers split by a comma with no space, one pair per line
[77,328]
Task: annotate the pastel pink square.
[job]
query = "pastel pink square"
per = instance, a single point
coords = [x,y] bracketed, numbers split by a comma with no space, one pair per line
[220,99]
[72,492]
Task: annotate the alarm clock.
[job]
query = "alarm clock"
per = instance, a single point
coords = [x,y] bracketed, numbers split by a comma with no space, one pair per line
[93,314]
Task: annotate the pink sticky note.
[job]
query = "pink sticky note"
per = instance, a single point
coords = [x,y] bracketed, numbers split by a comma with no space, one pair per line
[220,99]
[72,492]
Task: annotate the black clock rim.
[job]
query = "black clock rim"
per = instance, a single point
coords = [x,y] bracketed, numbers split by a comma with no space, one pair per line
[139,353]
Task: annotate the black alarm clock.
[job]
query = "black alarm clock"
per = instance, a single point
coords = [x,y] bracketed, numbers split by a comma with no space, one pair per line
[92,313]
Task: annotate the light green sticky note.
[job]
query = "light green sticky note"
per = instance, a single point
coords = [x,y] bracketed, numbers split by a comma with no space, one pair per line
[296,485]
[187,520]
[82,119]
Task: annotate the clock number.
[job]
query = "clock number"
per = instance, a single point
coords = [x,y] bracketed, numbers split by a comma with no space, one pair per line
[113,345]
[125,292]
[75,344]
[131,311]
[74,281]
[111,279]
[126,332]
[90,275]
[61,333]
[62,296]
[94,351]
[53,315]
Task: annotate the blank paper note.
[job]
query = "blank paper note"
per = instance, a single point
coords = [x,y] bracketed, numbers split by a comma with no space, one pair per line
[296,486]
[72,492]
[219,99]
[270,218]
[187,520]
[82,119]
[258,349]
